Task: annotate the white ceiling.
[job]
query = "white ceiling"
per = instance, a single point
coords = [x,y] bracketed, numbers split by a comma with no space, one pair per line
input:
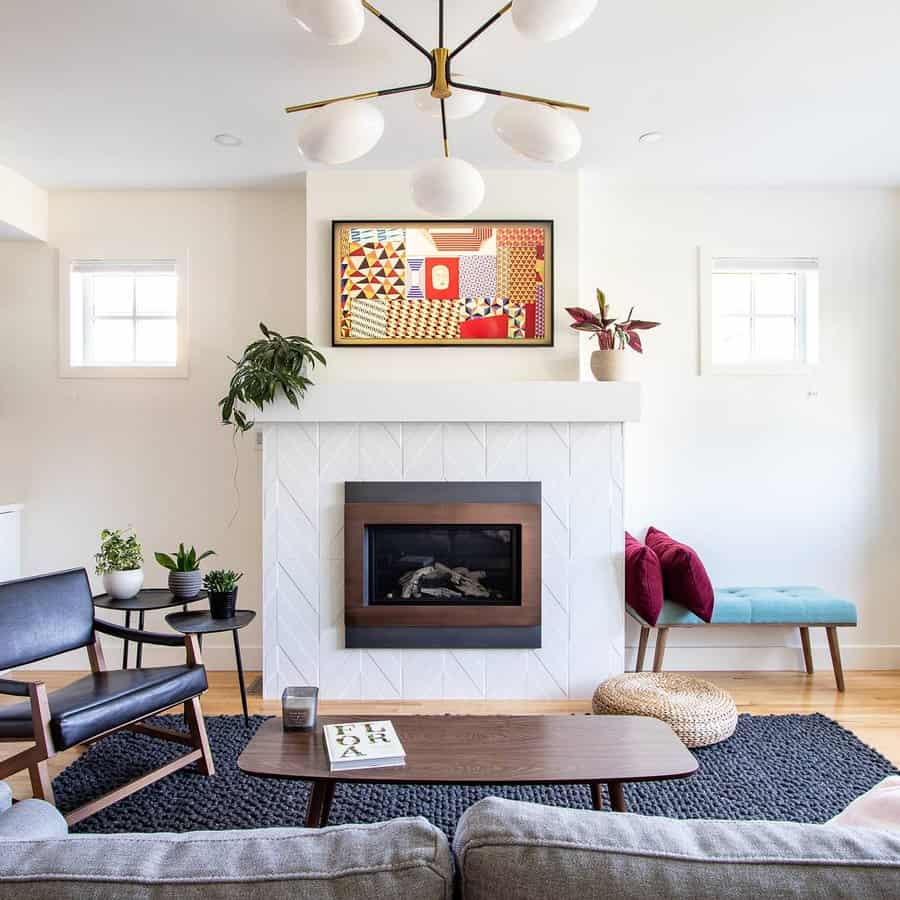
[129,93]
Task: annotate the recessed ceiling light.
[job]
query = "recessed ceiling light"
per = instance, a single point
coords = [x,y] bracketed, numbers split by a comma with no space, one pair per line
[651,137]
[228,140]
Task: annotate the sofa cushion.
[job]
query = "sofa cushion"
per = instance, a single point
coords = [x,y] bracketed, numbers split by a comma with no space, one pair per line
[643,579]
[684,575]
[877,808]
[764,606]
[32,820]
[509,850]
[94,704]
[401,858]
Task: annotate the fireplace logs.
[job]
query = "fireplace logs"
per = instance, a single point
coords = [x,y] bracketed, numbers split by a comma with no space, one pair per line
[442,582]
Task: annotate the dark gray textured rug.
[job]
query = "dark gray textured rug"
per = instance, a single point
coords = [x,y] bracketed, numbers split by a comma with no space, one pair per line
[796,768]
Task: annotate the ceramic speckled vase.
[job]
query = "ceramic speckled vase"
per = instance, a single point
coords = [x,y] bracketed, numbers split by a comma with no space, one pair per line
[185,584]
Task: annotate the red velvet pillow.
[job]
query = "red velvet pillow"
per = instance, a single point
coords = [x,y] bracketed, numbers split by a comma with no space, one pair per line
[643,580]
[684,576]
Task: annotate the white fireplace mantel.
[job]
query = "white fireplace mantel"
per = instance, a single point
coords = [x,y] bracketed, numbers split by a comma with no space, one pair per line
[522,401]
[566,435]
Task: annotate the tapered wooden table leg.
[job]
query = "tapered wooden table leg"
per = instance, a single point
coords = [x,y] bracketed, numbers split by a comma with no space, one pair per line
[807,650]
[617,796]
[835,649]
[597,795]
[642,649]
[320,797]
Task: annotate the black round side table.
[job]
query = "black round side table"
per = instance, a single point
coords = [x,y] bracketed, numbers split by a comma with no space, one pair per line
[201,623]
[144,600]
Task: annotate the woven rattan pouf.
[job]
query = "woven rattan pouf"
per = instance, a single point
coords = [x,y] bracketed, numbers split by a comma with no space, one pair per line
[699,712]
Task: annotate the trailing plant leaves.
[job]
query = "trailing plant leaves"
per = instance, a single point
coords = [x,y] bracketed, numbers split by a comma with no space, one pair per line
[266,367]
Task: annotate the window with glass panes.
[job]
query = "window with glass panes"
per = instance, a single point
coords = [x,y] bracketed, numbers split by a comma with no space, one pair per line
[124,313]
[760,311]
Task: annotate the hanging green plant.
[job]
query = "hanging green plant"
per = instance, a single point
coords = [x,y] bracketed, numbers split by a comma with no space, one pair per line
[276,363]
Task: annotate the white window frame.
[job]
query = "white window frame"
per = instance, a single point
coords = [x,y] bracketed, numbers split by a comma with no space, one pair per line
[807,312]
[181,369]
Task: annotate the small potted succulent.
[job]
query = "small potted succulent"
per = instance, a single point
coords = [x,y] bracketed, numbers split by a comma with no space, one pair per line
[221,585]
[614,336]
[184,570]
[119,562]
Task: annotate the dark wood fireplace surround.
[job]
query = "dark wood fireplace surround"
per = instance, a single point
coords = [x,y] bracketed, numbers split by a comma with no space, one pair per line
[427,624]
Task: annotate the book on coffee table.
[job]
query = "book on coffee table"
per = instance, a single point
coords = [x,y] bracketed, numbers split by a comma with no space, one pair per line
[363,745]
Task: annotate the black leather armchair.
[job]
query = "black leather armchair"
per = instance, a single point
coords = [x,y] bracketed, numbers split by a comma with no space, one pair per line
[50,614]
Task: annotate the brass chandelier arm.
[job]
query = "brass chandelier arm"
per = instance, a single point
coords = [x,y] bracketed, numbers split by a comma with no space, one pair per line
[368,95]
[559,104]
[396,28]
[477,33]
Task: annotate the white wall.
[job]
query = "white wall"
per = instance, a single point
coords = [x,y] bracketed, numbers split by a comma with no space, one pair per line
[769,483]
[23,207]
[87,454]
[775,480]
[335,194]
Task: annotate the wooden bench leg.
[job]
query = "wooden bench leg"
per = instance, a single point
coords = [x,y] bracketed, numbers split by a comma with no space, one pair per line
[807,649]
[835,649]
[642,649]
[662,635]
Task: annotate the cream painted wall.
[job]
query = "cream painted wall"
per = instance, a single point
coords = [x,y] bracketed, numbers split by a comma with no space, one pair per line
[84,454]
[342,194]
[788,480]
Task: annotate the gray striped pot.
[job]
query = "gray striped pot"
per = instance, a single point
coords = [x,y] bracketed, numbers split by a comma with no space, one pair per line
[185,584]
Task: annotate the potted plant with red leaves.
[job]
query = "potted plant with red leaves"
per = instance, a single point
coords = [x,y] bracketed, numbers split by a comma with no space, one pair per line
[614,337]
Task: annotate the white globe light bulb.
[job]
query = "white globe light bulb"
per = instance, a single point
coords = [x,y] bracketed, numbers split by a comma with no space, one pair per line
[538,132]
[459,105]
[447,187]
[550,20]
[341,132]
[334,21]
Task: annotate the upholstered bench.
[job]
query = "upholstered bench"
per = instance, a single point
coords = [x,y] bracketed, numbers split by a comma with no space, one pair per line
[803,607]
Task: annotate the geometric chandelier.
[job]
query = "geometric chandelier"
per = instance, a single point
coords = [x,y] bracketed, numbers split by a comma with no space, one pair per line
[342,129]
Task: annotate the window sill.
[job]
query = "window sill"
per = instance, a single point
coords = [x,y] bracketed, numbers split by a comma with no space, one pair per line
[754,369]
[118,372]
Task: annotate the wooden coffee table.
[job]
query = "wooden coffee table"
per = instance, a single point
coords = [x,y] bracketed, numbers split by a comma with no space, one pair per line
[595,750]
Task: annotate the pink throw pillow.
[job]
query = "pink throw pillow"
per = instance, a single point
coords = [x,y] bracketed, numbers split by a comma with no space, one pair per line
[684,576]
[643,580]
[878,808]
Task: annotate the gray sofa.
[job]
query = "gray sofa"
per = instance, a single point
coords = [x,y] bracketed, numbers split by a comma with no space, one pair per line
[505,850]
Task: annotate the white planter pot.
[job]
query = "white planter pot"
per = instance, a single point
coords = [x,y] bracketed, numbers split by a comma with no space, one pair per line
[609,365]
[123,585]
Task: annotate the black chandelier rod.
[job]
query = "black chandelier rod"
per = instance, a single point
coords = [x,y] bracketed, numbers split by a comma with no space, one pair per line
[394,27]
[475,34]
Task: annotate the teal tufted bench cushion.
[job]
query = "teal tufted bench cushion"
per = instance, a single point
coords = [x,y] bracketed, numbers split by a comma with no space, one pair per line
[764,606]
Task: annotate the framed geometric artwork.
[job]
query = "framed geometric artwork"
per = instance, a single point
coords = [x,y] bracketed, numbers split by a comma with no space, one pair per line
[437,283]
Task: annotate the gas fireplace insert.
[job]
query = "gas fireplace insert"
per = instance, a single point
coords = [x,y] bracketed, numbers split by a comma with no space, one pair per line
[442,564]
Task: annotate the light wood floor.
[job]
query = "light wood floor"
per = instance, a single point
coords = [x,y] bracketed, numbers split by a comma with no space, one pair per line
[870,707]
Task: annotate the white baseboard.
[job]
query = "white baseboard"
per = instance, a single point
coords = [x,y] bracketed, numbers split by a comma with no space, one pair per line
[767,658]
[778,658]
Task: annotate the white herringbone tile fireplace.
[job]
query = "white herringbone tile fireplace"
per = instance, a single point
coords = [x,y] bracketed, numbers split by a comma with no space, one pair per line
[579,465]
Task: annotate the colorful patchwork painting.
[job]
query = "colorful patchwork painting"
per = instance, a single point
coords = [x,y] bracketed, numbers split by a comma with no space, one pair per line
[443,283]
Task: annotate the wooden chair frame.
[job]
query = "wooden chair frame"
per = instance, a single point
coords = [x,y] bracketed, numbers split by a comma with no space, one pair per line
[35,758]
[662,636]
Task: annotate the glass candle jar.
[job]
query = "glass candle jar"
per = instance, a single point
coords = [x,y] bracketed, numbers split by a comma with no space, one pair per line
[298,708]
